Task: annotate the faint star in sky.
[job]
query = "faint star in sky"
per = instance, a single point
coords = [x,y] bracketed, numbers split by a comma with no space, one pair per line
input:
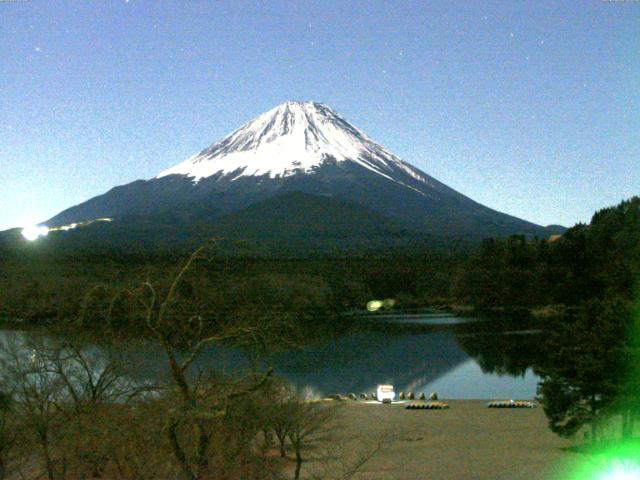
[37,49]
[234,86]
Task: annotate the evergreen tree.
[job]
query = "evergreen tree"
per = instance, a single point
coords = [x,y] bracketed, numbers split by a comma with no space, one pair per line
[583,375]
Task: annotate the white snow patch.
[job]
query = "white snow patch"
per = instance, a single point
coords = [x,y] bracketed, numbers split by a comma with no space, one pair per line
[290,138]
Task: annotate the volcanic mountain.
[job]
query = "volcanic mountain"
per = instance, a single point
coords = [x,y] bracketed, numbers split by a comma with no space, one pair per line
[299,171]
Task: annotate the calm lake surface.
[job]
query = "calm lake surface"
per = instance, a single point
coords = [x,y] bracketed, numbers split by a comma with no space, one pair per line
[458,358]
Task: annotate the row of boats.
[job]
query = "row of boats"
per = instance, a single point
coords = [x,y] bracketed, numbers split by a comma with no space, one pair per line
[386,394]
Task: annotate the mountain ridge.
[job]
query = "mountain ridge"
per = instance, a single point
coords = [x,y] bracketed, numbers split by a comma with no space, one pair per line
[305,147]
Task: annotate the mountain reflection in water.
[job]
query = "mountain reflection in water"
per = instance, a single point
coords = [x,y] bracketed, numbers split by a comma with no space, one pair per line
[456,357]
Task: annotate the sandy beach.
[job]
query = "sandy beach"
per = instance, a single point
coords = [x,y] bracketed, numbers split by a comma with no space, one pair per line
[467,441]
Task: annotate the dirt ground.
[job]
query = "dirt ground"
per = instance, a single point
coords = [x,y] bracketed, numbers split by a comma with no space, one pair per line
[468,441]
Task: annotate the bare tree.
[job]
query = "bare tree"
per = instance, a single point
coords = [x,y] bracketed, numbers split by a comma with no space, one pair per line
[8,434]
[183,333]
[36,395]
[309,427]
[58,391]
[90,380]
[277,404]
[312,429]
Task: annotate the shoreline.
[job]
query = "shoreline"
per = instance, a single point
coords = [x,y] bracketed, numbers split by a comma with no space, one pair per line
[466,441]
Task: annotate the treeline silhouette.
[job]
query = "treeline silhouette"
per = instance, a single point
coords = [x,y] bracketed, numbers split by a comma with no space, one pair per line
[595,261]
[588,262]
[588,351]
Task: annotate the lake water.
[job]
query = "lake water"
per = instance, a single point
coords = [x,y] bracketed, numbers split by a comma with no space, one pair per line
[455,357]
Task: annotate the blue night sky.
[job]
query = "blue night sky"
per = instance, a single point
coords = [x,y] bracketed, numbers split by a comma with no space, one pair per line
[531,108]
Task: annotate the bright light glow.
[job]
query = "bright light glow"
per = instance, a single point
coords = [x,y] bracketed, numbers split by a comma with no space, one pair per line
[33,232]
[374,305]
[623,471]
[64,228]
[615,460]
[384,392]
[71,226]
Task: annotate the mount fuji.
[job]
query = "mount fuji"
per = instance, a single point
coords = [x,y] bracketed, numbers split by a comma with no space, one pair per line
[299,172]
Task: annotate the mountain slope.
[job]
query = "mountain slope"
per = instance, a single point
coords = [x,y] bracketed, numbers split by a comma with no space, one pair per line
[299,215]
[299,147]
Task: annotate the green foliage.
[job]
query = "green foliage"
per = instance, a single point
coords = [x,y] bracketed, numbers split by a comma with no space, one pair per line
[583,372]
[591,352]
[503,272]
[38,288]
[596,261]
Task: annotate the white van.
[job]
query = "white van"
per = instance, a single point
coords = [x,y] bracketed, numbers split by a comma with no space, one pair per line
[385,393]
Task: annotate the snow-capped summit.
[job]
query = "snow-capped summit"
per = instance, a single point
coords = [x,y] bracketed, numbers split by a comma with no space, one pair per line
[294,137]
[299,169]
